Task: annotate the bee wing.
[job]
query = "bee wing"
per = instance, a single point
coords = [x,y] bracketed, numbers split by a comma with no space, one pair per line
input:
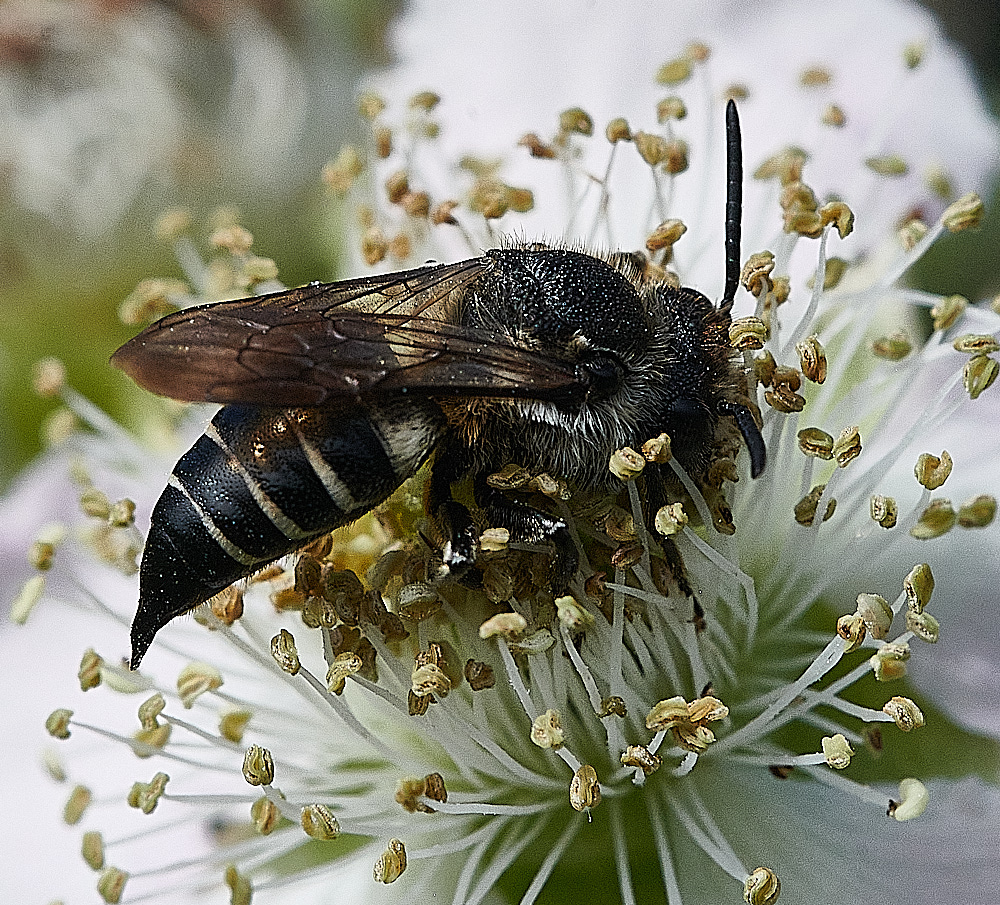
[329,342]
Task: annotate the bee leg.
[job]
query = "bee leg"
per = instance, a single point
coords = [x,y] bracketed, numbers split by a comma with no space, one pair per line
[673,569]
[529,525]
[453,521]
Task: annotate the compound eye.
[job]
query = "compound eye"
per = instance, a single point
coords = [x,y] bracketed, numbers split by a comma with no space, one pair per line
[601,373]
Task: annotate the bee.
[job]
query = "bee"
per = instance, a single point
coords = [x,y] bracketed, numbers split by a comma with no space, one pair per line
[335,393]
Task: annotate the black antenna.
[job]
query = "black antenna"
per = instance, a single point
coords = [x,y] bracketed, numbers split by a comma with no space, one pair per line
[734,214]
[734,204]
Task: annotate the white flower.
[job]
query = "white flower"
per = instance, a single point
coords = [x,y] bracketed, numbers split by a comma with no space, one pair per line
[699,699]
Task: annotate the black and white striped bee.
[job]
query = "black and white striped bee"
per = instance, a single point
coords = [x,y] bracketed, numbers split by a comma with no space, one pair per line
[335,393]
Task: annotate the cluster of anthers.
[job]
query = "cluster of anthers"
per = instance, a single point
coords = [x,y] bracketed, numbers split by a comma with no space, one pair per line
[497,725]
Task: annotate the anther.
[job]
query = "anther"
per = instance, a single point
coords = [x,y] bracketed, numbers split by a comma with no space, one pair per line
[89,673]
[833,115]
[675,159]
[572,615]
[924,626]
[319,822]
[975,344]
[812,359]
[914,798]
[265,815]
[258,766]
[964,213]
[584,789]
[840,215]
[747,334]
[889,662]
[145,796]
[425,101]
[675,71]
[57,723]
[92,849]
[340,174]
[919,585]
[978,512]
[172,224]
[479,675]
[196,679]
[618,130]
[577,120]
[938,180]
[374,246]
[391,863]
[945,314]
[240,888]
[41,555]
[667,713]
[77,803]
[285,653]
[756,273]
[494,540]
[837,751]
[805,509]
[847,446]
[670,108]
[762,887]
[816,443]
[111,884]
[892,348]
[671,519]
[936,520]
[234,239]
[905,714]
[626,464]
[344,664]
[418,601]
[913,54]
[884,510]
[640,756]
[851,627]
[507,625]
[911,232]
[785,166]
[665,235]
[657,449]
[876,613]
[888,165]
[443,213]
[652,148]
[429,679]
[232,725]
[614,705]
[370,105]
[815,77]
[978,375]
[764,367]
[547,730]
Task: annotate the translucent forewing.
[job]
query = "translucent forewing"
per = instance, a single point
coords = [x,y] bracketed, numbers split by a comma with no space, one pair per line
[332,342]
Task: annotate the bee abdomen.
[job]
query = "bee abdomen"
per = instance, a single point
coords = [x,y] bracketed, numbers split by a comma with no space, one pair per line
[262,482]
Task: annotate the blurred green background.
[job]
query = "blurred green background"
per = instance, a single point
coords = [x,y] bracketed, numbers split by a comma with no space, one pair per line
[112,111]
